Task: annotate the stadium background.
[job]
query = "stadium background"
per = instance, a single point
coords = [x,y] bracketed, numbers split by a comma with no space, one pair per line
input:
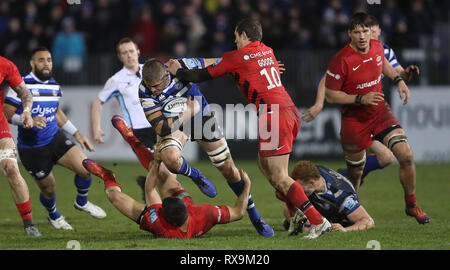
[304,34]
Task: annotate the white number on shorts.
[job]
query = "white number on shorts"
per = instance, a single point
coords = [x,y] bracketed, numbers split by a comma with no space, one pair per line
[275,77]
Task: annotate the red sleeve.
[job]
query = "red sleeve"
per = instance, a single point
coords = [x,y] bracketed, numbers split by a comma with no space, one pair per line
[222,214]
[12,75]
[223,65]
[336,74]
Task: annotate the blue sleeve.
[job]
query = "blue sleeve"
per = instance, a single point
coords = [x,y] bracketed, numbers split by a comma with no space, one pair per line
[192,63]
[350,204]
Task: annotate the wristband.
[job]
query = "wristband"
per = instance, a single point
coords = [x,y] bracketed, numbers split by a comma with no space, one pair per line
[358,99]
[397,79]
[15,120]
[69,128]
[27,109]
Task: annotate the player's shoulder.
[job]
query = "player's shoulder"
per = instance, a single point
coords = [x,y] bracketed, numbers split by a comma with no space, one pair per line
[6,64]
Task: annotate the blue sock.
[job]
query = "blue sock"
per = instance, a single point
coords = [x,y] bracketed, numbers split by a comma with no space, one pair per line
[188,171]
[50,205]
[82,189]
[251,209]
[371,165]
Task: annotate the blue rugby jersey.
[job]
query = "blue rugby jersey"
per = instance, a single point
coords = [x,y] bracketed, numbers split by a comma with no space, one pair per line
[175,88]
[46,97]
[338,200]
[389,54]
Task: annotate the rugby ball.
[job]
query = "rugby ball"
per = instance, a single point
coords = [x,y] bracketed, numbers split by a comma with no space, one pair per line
[174,107]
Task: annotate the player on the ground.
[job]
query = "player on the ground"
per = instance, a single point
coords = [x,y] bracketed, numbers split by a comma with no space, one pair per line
[354,80]
[255,69]
[172,213]
[44,145]
[158,88]
[332,195]
[123,86]
[378,155]
[8,152]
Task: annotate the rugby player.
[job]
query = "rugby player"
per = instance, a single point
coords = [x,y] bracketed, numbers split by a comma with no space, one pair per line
[123,86]
[354,80]
[172,213]
[159,87]
[378,155]
[255,69]
[332,195]
[8,152]
[44,145]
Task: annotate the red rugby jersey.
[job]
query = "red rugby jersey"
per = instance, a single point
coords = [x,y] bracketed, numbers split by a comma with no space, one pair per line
[357,74]
[201,219]
[10,73]
[255,70]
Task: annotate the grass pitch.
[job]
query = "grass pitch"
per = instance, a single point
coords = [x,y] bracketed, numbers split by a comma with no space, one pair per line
[381,195]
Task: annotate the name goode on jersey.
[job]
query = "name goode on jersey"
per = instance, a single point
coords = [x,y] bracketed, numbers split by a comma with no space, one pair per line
[266,62]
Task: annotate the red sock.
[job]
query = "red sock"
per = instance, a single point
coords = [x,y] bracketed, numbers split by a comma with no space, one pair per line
[410,200]
[289,205]
[25,210]
[144,155]
[298,198]
[110,181]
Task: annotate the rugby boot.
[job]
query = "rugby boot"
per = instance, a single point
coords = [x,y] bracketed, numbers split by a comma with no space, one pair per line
[97,170]
[205,186]
[317,230]
[263,228]
[32,231]
[143,153]
[297,222]
[416,212]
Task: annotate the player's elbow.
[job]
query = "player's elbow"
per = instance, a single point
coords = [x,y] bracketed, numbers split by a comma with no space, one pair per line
[329,97]
[237,213]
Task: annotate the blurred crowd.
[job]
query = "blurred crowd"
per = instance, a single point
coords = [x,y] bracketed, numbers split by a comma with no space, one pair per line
[187,27]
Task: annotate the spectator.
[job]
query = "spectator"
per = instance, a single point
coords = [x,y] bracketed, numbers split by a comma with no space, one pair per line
[145,32]
[68,48]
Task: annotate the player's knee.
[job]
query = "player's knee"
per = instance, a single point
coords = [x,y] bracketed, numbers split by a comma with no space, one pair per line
[10,169]
[406,159]
[47,190]
[172,158]
[386,158]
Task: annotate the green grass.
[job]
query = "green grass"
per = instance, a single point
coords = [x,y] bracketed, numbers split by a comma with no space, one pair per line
[381,195]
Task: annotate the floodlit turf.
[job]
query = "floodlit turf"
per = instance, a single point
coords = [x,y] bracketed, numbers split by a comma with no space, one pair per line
[381,195]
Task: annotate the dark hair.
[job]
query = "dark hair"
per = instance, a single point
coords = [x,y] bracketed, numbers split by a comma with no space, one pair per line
[361,19]
[40,49]
[125,40]
[152,70]
[251,27]
[374,21]
[174,211]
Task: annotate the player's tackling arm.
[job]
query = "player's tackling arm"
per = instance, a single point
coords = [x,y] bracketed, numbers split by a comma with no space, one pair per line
[240,206]
[151,195]
[27,103]
[339,97]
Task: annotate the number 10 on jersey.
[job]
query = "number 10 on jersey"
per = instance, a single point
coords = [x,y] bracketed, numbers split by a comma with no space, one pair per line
[275,81]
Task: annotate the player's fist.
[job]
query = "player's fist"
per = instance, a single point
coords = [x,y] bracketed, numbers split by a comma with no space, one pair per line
[173,65]
[403,91]
[39,122]
[372,98]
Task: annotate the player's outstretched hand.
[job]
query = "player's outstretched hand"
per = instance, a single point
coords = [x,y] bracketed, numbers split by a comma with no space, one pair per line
[403,91]
[39,122]
[245,178]
[311,113]
[411,71]
[337,227]
[172,66]
[372,98]
[83,141]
